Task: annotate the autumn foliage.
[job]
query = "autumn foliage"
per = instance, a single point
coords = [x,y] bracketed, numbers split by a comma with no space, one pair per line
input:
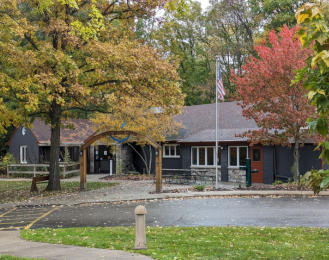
[57,57]
[279,108]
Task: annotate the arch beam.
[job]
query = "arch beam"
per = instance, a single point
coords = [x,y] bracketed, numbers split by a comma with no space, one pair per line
[158,157]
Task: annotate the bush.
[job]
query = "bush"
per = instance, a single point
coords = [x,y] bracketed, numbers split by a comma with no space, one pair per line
[200,187]
[7,159]
[316,180]
[277,182]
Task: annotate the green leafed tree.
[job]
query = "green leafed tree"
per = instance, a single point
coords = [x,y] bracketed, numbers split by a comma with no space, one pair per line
[232,30]
[276,13]
[67,55]
[182,37]
[314,32]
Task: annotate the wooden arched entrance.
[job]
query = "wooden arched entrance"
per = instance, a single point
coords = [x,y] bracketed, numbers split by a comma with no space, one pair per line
[158,156]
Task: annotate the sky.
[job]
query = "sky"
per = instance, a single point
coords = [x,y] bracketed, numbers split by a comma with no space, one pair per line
[204,3]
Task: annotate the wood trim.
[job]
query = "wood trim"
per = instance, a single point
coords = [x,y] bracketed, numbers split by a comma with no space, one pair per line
[239,143]
[83,158]
[107,133]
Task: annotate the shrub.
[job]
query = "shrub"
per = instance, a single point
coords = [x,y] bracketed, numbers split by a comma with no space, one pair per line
[7,159]
[277,182]
[200,187]
[316,180]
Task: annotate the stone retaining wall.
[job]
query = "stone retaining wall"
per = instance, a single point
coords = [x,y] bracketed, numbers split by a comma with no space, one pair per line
[237,175]
[211,171]
[234,175]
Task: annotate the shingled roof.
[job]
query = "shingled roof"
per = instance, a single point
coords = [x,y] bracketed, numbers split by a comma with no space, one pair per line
[82,130]
[200,123]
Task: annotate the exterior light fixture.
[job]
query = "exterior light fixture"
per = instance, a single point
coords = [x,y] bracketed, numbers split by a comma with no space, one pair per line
[156,152]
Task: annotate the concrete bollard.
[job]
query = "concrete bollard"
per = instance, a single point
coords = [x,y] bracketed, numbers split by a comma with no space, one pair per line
[140,240]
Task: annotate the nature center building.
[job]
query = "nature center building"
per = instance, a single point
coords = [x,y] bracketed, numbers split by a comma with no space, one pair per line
[192,148]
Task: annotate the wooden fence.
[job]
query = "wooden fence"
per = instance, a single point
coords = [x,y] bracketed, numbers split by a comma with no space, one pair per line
[37,169]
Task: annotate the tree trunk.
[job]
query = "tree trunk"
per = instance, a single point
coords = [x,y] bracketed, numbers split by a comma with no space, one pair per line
[296,158]
[144,159]
[54,173]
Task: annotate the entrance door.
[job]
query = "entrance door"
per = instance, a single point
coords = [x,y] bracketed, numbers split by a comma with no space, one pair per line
[257,163]
[104,160]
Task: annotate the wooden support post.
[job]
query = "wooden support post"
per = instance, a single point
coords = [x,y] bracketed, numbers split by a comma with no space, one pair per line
[83,170]
[158,170]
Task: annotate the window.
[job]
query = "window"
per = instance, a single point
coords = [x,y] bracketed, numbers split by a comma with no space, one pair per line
[237,155]
[256,155]
[23,156]
[205,156]
[171,150]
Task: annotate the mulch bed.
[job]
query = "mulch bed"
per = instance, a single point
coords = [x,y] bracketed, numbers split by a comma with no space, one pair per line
[290,187]
[129,177]
[189,189]
[273,187]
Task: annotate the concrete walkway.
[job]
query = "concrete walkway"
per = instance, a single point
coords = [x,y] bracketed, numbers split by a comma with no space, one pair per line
[11,244]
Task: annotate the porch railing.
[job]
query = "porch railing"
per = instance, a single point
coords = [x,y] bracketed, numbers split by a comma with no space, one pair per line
[37,169]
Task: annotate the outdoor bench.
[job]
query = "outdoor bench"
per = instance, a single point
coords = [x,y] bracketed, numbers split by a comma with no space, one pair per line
[35,180]
[179,178]
[211,178]
[168,178]
[186,178]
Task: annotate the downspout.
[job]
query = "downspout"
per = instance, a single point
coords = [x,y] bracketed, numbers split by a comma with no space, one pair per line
[275,161]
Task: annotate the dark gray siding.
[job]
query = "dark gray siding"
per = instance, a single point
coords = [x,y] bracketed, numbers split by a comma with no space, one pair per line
[186,157]
[308,159]
[268,164]
[173,163]
[224,163]
[29,140]
[285,160]
[325,165]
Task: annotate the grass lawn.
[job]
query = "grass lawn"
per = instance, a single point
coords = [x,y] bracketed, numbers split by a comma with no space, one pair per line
[199,242]
[12,191]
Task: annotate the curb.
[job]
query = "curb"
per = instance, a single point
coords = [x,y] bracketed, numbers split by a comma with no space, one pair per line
[212,194]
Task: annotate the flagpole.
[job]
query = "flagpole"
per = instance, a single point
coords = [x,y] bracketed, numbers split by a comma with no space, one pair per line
[216,96]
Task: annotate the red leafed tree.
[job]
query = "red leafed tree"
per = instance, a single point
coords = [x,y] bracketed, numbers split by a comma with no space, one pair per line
[279,108]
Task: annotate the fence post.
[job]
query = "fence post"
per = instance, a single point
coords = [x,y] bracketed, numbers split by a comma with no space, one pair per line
[34,171]
[8,169]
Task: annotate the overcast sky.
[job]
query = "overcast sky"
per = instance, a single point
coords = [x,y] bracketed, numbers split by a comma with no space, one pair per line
[204,3]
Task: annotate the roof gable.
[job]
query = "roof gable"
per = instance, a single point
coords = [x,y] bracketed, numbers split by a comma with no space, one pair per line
[82,130]
[200,122]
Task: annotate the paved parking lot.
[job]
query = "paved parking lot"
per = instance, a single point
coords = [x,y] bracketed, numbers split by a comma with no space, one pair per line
[23,217]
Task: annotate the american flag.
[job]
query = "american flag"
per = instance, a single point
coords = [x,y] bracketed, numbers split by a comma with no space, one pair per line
[219,86]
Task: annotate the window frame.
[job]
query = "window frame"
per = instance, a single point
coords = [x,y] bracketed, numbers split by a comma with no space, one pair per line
[23,154]
[170,156]
[237,155]
[206,156]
